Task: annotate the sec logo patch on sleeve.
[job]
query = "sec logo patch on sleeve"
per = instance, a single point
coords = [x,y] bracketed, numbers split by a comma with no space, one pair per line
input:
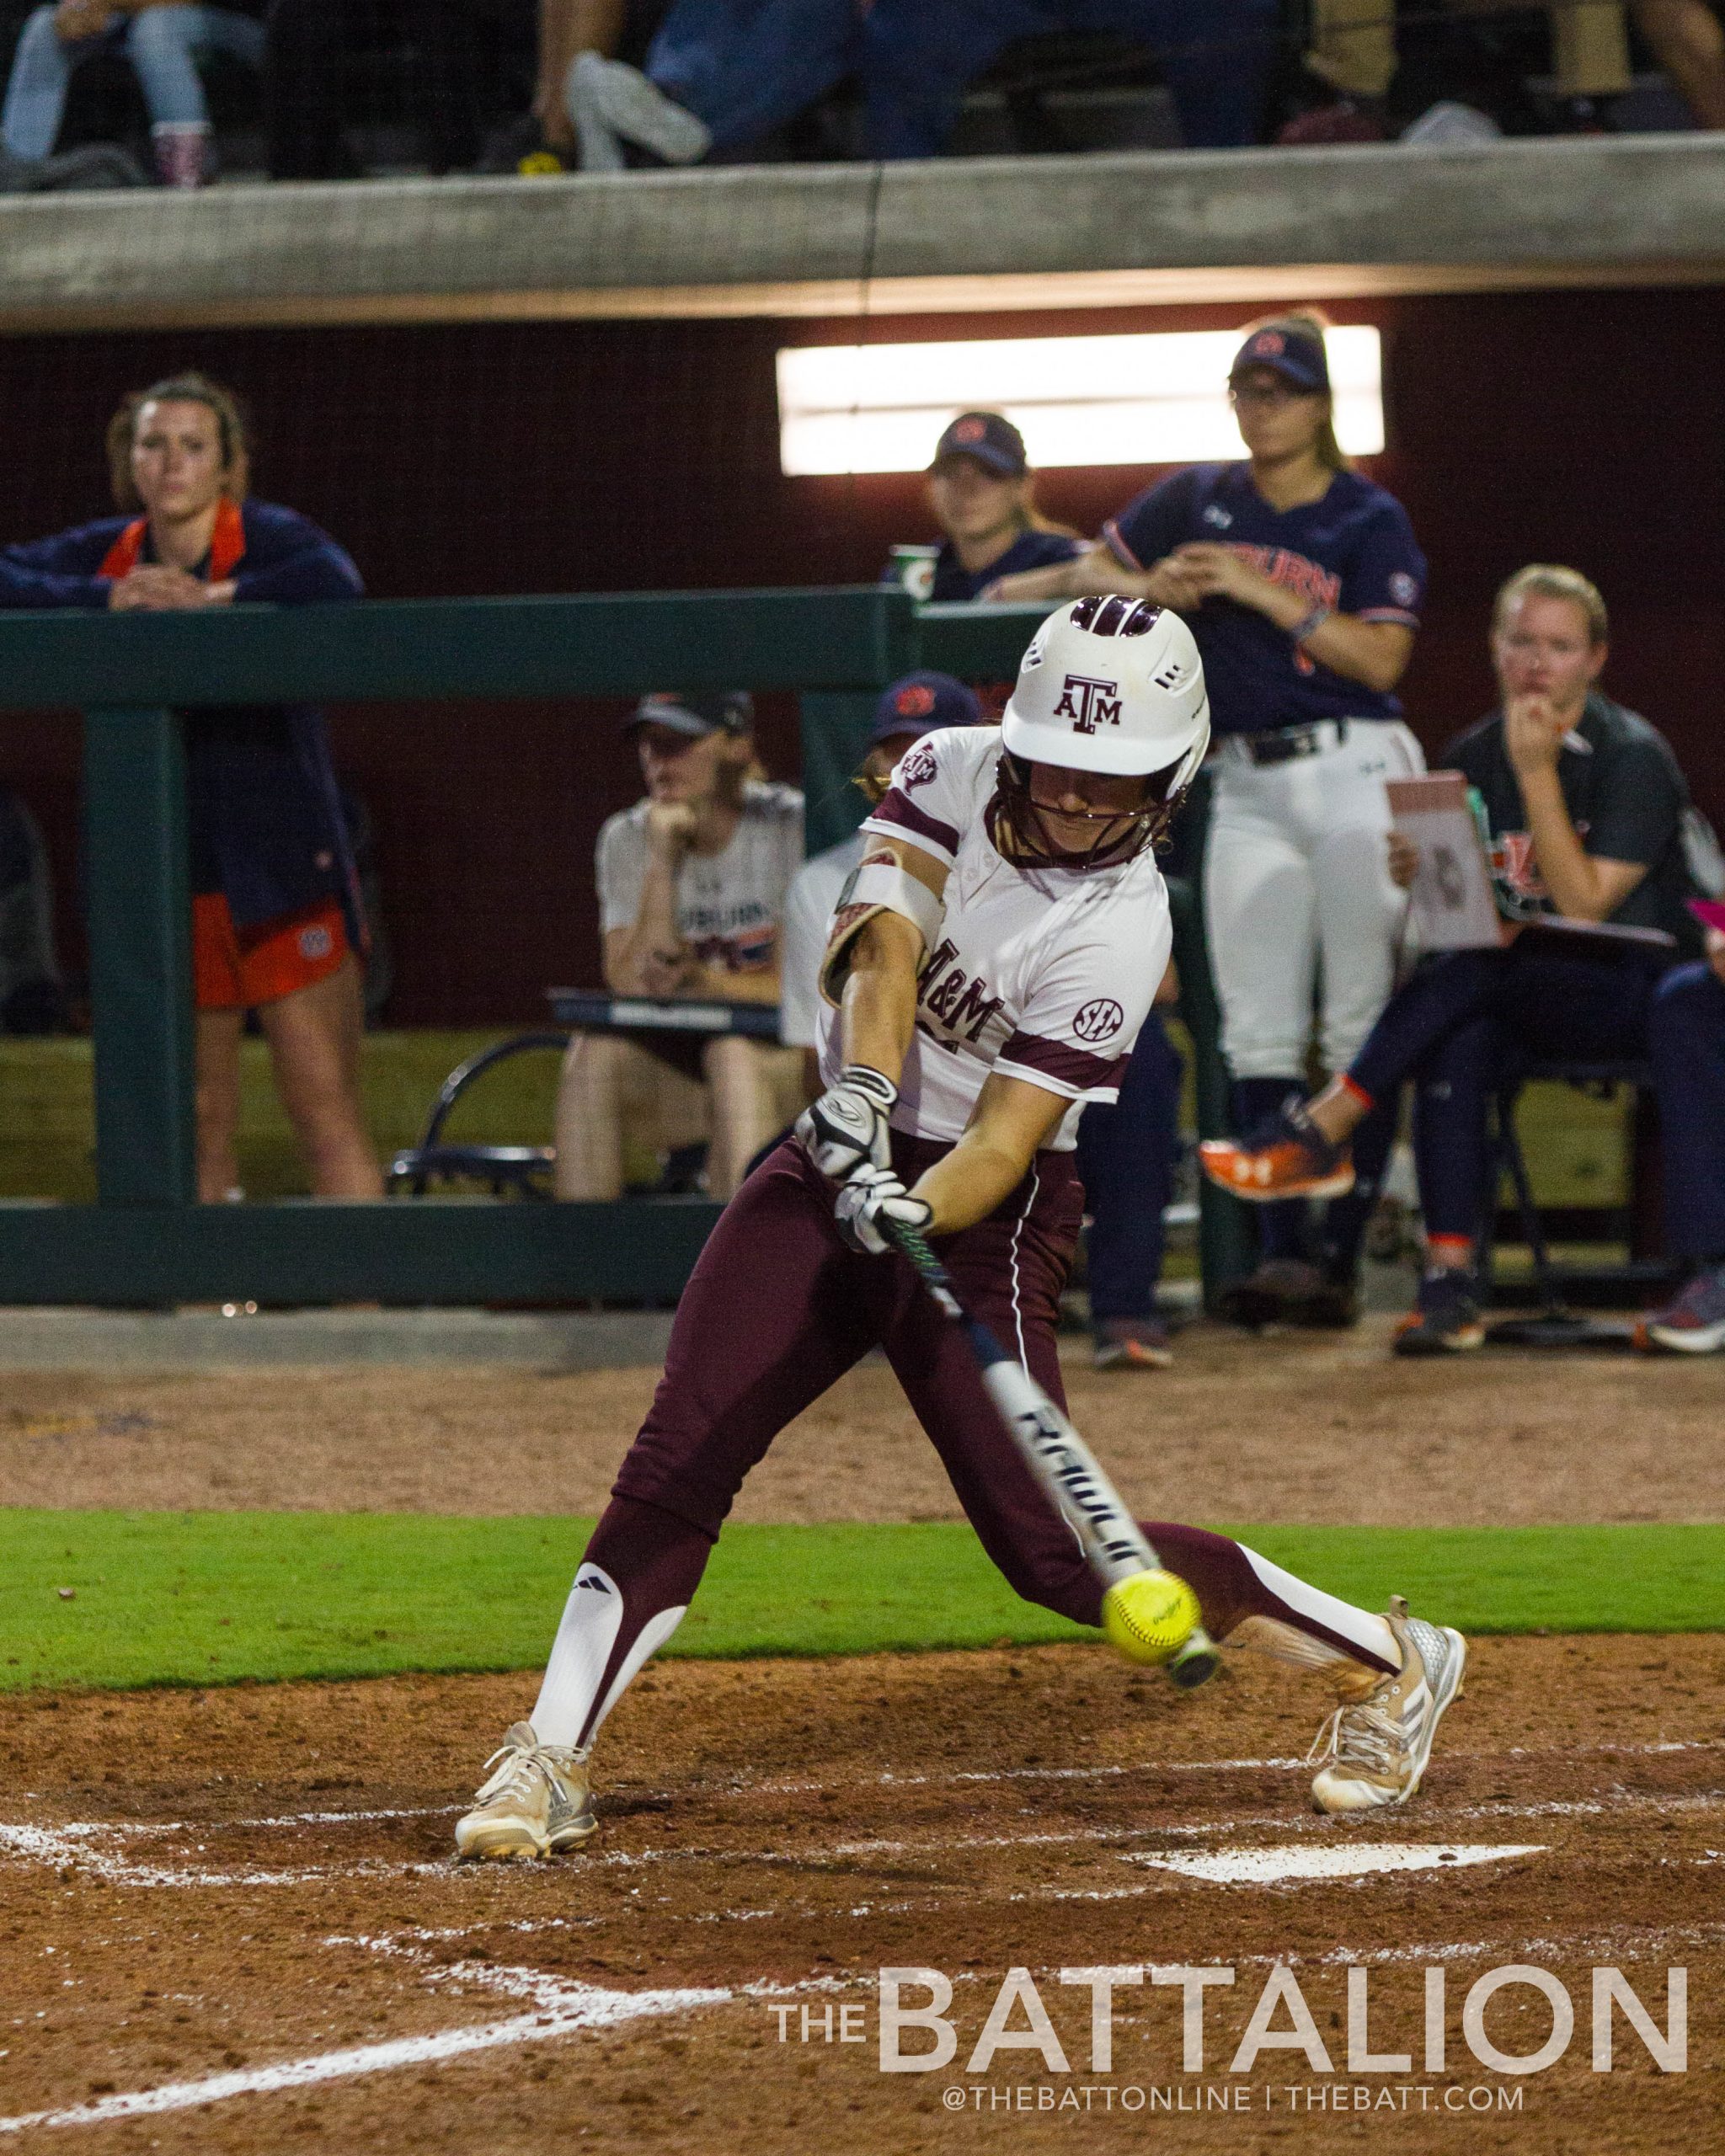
[1099,1021]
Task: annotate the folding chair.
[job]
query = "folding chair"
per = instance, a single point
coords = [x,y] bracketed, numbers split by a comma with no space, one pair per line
[1555,1325]
[511,1170]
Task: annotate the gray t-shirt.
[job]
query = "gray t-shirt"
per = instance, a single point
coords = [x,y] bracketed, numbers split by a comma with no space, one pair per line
[729,905]
[809,913]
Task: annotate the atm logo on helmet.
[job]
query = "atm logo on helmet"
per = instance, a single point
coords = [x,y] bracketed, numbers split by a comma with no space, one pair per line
[1089,704]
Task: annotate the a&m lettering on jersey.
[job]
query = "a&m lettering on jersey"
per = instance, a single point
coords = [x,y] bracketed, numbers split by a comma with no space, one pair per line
[962,1006]
[1089,704]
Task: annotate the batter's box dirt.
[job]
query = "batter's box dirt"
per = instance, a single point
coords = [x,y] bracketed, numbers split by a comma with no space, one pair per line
[228,1919]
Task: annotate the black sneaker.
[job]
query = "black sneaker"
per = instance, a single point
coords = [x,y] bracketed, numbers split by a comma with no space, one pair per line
[1444,1320]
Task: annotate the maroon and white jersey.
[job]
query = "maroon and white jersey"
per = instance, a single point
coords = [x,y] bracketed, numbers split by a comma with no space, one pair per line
[1045,974]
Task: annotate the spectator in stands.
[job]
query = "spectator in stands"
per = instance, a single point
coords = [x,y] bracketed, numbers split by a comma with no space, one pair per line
[1585,806]
[275,922]
[719,74]
[919,704]
[32,1000]
[1687,1031]
[305,62]
[1690,45]
[918,61]
[691,893]
[1352,57]
[567,29]
[163,41]
[722,72]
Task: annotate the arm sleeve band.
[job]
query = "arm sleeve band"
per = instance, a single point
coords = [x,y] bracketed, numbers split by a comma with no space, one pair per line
[878,885]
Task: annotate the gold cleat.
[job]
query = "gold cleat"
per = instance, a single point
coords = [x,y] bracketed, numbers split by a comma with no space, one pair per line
[536,1802]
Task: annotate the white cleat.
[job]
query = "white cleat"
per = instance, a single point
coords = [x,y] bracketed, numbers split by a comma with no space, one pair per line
[537,1802]
[1375,1747]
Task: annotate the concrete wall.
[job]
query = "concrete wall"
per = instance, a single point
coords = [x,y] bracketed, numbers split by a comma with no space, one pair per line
[1120,228]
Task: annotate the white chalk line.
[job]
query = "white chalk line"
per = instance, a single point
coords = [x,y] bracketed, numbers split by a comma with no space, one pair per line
[73,1844]
[560,2008]
[742,1786]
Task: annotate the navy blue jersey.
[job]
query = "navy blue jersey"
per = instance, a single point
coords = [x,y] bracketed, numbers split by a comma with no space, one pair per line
[1354,551]
[1030,550]
[265,824]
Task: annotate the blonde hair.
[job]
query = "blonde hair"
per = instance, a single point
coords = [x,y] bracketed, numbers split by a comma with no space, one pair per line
[1546,580]
[1309,322]
[188,388]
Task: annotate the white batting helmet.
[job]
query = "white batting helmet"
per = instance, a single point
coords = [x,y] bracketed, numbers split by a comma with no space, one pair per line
[1110,685]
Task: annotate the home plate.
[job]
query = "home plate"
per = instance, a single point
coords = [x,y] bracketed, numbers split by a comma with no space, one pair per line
[1265,1867]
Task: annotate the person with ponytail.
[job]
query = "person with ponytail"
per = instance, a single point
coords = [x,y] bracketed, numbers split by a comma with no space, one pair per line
[1302,582]
[276,923]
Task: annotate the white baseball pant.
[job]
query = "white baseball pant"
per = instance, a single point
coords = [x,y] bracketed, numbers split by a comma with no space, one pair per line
[1298,898]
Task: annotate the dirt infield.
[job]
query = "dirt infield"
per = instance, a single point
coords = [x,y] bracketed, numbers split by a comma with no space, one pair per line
[241,1901]
[1303,1429]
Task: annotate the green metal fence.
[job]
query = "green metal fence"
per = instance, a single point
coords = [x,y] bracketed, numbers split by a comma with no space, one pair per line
[146,1240]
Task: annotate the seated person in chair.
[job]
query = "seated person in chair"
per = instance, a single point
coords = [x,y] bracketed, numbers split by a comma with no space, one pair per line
[1688,1042]
[1585,805]
[691,891]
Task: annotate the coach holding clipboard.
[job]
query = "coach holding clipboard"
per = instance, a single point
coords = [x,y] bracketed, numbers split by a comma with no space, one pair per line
[1583,805]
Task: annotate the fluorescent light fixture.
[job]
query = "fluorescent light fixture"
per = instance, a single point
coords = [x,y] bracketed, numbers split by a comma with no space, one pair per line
[1152,399]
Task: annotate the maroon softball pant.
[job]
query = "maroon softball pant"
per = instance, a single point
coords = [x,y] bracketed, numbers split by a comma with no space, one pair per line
[779,1307]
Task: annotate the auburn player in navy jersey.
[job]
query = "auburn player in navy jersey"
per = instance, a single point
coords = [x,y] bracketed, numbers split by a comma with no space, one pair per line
[275,914]
[983,494]
[982,491]
[1303,581]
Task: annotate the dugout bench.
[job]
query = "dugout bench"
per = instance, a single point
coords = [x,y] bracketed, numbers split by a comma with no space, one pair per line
[147,1241]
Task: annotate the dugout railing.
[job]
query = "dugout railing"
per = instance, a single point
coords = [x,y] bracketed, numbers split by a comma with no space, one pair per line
[147,1240]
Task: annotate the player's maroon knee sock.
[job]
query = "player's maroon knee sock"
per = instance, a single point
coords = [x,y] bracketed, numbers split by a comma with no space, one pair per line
[636,1579]
[1232,1583]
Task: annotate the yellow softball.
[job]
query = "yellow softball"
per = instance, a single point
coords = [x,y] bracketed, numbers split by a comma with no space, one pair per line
[1150,1616]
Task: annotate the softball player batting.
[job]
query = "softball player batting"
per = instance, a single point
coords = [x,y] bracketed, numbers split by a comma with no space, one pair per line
[987,971]
[1303,582]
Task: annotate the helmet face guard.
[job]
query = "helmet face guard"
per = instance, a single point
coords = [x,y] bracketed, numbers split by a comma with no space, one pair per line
[1019,824]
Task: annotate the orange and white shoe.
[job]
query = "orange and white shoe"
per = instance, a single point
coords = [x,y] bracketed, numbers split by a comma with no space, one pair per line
[1290,1157]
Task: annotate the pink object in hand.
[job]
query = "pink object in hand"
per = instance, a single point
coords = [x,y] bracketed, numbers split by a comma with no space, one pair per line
[1709,912]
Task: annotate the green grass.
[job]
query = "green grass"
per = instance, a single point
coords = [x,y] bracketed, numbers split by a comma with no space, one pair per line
[207,1597]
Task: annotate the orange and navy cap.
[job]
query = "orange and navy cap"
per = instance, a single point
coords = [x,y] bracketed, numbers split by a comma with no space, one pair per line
[1294,353]
[920,704]
[988,436]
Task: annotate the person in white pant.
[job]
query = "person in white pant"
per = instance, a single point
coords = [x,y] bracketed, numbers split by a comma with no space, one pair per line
[1303,581]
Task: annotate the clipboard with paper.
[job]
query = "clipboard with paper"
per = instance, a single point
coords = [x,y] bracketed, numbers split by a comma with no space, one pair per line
[1455,905]
[1454,893]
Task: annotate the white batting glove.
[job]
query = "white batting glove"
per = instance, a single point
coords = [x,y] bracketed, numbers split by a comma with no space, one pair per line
[873,1197]
[847,1127]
